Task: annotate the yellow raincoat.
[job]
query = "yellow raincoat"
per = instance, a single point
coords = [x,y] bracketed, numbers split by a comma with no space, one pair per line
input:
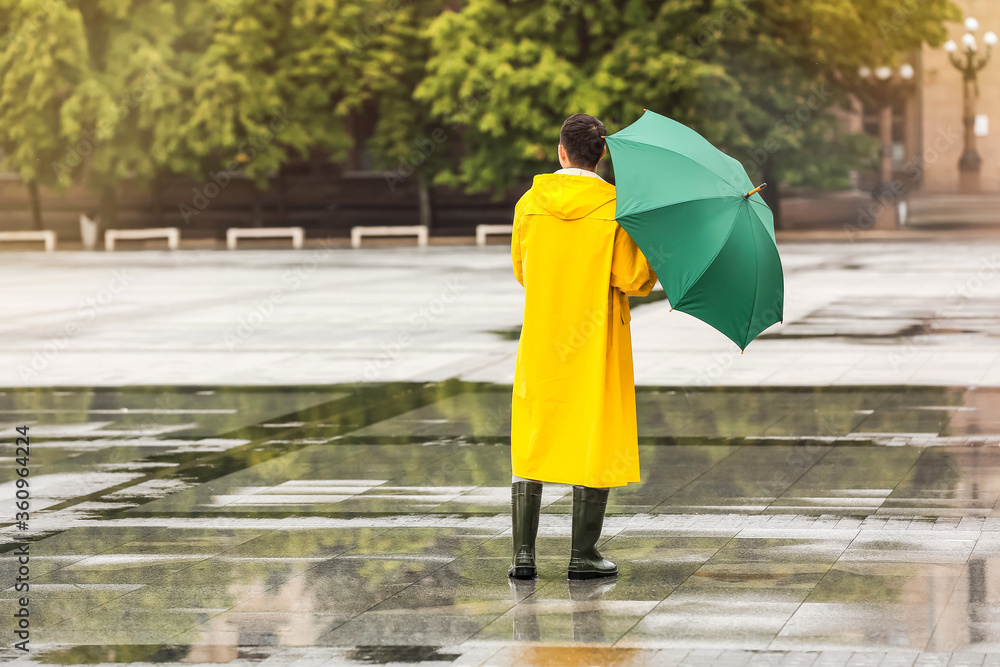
[573,406]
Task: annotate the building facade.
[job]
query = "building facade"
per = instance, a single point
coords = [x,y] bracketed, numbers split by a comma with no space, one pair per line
[935,112]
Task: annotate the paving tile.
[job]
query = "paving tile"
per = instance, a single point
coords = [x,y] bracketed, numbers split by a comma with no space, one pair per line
[705,624]
[857,626]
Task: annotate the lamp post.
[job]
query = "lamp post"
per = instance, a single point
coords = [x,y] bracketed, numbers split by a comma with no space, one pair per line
[882,85]
[970,62]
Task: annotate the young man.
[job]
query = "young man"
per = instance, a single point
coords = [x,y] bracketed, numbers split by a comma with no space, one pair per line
[573,406]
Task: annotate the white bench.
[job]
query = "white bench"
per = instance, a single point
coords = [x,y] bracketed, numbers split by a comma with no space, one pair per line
[46,236]
[234,233]
[171,234]
[420,231]
[483,230]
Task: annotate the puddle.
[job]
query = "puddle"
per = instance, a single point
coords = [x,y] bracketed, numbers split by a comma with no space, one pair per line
[279,517]
[260,454]
[870,320]
[405,654]
[122,653]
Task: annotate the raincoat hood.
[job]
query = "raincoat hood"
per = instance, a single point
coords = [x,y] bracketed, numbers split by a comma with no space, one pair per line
[570,197]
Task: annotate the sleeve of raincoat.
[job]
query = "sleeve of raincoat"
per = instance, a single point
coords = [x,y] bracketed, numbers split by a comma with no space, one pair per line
[630,271]
[515,240]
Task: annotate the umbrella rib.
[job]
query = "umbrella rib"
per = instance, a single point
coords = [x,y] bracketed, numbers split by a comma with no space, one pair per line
[770,231]
[681,203]
[764,204]
[690,159]
[707,266]
[756,286]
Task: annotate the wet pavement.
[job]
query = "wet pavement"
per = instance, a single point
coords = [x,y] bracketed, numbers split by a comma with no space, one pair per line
[865,313]
[367,524]
[302,458]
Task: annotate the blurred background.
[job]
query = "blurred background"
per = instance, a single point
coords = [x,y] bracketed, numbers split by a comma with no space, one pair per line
[327,114]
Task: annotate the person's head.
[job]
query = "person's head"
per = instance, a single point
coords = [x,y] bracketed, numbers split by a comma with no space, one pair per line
[581,142]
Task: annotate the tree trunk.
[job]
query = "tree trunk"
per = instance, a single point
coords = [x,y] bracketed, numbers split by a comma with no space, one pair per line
[426,204]
[283,197]
[158,209]
[36,206]
[772,193]
[107,207]
[257,214]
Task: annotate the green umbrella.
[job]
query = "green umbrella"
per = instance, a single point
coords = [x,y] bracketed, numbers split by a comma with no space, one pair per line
[701,223]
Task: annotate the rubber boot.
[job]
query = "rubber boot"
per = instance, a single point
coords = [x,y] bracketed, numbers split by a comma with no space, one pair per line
[525,506]
[588,519]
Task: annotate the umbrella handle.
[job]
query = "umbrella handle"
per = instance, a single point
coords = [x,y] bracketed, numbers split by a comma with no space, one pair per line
[755,191]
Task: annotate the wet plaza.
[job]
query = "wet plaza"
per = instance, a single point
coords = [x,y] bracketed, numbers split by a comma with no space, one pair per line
[790,514]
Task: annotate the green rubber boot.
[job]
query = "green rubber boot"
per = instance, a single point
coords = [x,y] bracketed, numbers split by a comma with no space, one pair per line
[525,506]
[588,520]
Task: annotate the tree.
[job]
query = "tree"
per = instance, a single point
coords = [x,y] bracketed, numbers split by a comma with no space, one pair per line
[248,97]
[785,67]
[407,141]
[43,61]
[98,80]
[511,72]
[758,78]
[272,76]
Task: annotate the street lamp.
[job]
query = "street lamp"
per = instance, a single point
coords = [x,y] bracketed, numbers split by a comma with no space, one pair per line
[970,65]
[883,84]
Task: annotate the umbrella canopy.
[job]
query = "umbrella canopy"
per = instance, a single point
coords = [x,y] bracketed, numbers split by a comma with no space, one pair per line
[689,208]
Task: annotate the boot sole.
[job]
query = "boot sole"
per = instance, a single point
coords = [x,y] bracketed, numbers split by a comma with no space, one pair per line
[523,573]
[581,576]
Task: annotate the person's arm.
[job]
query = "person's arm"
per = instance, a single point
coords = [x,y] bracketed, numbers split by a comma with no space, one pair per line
[631,273]
[515,240]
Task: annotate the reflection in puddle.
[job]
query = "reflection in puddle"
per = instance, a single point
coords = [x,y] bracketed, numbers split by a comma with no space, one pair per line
[374,521]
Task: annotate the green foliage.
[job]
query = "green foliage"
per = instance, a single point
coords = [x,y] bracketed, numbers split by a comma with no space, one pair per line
[758,78]
[101,90]
[260,78]
[97,91]
[43,55]
[95,73]
[406,138]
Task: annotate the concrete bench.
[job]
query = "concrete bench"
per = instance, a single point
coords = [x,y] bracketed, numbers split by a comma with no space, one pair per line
[483,230]
[420,231]
[234,233]
[171,234]
[48,237]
